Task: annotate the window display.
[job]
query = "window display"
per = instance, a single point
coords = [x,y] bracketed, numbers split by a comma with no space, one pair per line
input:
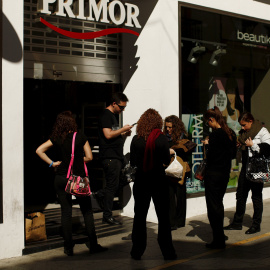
[224,62]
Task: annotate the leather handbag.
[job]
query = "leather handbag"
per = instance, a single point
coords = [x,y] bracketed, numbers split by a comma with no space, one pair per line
[258,169]
[77,185]
[200,172]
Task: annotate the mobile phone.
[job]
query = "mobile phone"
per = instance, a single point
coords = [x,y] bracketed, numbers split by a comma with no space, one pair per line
[134,124]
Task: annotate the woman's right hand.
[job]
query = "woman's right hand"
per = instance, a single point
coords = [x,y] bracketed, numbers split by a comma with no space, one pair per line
[206,141]
[56,164]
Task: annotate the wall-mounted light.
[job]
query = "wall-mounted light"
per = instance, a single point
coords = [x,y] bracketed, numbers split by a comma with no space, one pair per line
[215,58]
[195,53]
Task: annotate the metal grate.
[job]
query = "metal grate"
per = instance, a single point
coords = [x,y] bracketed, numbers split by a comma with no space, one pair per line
[41,39]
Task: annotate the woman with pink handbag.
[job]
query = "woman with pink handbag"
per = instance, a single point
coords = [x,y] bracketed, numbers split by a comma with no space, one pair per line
[61,138]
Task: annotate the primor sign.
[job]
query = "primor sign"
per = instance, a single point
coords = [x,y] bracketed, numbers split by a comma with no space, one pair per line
[104,11]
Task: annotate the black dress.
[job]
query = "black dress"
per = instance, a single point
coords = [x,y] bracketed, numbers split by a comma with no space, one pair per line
[147,186]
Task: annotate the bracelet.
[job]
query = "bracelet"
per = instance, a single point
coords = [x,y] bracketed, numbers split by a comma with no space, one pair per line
[51,164]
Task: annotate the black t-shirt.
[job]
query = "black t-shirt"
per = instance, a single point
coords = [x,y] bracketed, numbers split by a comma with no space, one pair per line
[109,148]
[64,150]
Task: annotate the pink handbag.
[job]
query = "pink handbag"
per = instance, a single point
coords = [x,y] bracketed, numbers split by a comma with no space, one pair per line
[77,185]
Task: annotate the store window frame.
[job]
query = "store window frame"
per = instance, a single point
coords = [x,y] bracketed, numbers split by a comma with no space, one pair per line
[1,174]
[216,11]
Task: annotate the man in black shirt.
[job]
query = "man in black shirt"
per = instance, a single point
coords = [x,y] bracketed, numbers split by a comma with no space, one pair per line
[111,142]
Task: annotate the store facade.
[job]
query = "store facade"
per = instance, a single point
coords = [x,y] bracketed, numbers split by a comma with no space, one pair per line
[179,57]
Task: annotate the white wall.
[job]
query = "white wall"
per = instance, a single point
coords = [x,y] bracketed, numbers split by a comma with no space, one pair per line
[155,84]
[12,229]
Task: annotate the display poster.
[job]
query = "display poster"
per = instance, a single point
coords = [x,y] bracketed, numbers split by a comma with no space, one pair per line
[195,128]
[228,95]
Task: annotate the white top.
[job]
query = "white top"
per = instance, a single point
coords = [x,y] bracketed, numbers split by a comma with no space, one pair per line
[263,136]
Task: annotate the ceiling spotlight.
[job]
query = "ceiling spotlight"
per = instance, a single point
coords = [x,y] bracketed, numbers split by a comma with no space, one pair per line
[216,56]
[195,53]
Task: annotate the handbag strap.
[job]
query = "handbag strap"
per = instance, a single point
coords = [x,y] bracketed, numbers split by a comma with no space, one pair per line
[70,168]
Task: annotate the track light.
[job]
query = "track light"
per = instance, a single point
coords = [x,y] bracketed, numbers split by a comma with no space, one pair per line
[216,56]
[195,53]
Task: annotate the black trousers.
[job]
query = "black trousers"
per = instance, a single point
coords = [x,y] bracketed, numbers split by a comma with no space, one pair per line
[244,186]
[178,203]
[215,188]
[112,169]
[65,201]
[143,190]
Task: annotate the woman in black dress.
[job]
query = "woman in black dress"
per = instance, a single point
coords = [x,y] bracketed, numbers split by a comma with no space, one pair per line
[61,138]
[149,151]
[221,149]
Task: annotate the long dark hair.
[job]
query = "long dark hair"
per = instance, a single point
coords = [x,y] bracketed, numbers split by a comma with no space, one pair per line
[217,115]
[178,127]
[246,116]
[64,124]
[148,121]
[232,88]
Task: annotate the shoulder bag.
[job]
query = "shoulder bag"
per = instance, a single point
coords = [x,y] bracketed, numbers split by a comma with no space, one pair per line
[77,185]
[258,169]
[200,172]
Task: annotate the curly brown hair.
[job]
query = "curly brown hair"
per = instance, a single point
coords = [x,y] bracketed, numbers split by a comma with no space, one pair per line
[148,121]
[178,127]
[64,124]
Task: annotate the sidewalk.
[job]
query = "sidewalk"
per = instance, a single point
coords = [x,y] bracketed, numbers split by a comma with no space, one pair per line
[242,252]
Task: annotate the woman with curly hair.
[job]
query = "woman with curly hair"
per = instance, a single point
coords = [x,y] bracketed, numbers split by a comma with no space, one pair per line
[61,138]
[174,129]
[149,151]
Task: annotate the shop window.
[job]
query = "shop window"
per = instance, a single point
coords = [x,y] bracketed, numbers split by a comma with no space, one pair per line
[224,62]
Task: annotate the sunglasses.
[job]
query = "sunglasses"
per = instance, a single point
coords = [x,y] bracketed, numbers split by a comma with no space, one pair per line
[121,107]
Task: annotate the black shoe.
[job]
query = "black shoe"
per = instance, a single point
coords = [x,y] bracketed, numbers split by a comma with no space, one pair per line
[68,251]
[170,257]
[111,221]
[173,228]
[233,226]
[99,199]
[252,230]
[215,245]
[97,249]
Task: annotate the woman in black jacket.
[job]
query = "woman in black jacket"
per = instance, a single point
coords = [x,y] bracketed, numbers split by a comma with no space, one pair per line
[221,149]
[149,151]
[253,139]
[174,129]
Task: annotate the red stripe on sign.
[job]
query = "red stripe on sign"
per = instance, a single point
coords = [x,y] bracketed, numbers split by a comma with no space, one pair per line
[89,35]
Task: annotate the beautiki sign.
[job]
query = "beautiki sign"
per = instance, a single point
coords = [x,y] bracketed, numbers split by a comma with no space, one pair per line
[103,12]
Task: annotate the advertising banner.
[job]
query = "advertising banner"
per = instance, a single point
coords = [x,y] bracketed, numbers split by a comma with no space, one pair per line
[194,126]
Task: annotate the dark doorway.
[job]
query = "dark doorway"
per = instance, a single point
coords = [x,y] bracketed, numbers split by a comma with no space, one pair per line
[43,100]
